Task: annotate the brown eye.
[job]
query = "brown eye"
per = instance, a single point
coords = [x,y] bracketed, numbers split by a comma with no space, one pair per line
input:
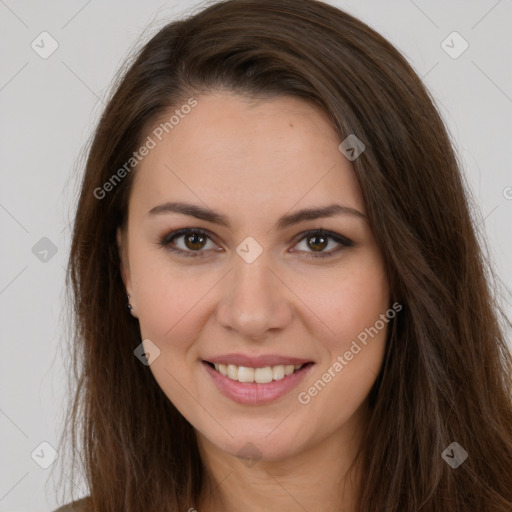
[195,241]
[188,242]
[317,242]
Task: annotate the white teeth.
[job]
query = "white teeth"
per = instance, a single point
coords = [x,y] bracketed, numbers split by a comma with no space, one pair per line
[259,375]
[289,369]
[245,374]
[233,371]
[263,375]
[278,372]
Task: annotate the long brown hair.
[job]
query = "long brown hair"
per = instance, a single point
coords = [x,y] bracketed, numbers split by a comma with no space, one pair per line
[446,376]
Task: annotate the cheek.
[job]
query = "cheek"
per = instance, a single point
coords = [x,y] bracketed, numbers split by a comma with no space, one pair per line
[353,307]
[362,299]
[348,301]
[169,298]
[340,387]
[172,308]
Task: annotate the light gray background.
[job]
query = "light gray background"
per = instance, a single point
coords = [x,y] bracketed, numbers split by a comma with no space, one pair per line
[50,106]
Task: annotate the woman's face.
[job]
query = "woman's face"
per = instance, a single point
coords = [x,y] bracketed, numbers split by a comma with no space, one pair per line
[250,288]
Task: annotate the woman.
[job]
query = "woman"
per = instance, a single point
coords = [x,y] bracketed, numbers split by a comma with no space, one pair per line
[281,302]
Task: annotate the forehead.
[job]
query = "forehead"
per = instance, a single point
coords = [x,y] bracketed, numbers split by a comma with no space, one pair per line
[234,153]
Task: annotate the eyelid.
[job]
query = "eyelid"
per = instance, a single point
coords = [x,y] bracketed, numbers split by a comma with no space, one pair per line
[343,241]
[166,241]
[320,231]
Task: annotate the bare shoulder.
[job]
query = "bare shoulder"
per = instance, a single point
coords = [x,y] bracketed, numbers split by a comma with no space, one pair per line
[81,505]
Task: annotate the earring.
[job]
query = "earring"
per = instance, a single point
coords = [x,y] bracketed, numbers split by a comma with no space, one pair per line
[130,307]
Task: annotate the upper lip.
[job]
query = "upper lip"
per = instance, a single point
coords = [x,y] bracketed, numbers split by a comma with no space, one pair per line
[259,361]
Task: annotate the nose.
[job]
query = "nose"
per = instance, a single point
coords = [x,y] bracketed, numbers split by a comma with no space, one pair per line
[255,300]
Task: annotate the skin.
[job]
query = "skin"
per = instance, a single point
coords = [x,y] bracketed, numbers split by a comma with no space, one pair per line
[254,161]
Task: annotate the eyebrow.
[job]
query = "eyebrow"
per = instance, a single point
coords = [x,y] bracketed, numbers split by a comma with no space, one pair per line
[285,221]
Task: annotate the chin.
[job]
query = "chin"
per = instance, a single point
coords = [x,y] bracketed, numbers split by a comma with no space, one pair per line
[260,443]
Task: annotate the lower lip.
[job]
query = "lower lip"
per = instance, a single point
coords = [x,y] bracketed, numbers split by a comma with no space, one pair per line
[252,393]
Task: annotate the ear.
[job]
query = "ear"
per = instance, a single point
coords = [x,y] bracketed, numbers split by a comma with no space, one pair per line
[122,246]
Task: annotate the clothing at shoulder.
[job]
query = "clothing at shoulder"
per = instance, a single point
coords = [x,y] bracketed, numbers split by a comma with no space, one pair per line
[75,506]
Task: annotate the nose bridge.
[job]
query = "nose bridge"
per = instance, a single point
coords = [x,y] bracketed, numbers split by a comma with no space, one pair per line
[254,300]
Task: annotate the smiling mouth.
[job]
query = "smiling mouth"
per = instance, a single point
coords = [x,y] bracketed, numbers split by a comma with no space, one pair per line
[263,375]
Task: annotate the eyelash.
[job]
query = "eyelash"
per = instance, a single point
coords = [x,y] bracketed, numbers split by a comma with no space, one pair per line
[167,239]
